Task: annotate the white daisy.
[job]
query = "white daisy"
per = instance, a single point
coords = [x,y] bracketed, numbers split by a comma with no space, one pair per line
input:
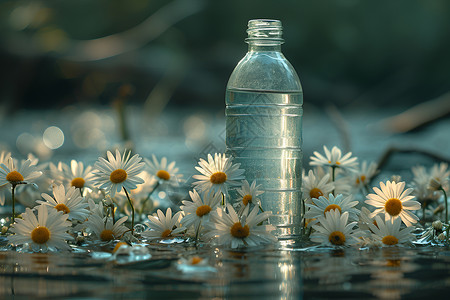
[389,233]
[78,176]
[70,202]
[439,177]
[194,264]
[228,229]
[321,206]
[163,226]
[198,210]
[420,184]
[104,229]
[365,219]
[96,209]
[193,261]
[248,195]
[10,173]
[342,184]
[58,172]
[163,172]
[315,186]
[118,172]
[4,157]
[394,201]
[46,232]
[334,159]
[218,174]
[333,230]
[364,174]
[95,194]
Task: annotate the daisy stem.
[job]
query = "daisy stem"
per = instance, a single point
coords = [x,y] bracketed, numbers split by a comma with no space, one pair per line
[423,213]
[366,189]
[132,209]
[112,212]
[197,232]
[333,173]
[13,188]
[446,204]
[303,217]
[309,231]
[223,199]
[151,192]
[333,176]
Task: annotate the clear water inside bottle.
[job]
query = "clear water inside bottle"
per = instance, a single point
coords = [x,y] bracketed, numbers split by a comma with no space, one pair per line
[264,135]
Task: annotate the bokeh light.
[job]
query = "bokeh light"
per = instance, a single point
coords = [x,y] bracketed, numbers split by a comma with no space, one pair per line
[53,137]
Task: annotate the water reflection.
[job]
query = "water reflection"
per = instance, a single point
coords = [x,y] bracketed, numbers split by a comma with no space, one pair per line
[263,273]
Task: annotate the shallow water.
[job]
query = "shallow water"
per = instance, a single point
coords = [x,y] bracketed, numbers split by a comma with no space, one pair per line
[289,271]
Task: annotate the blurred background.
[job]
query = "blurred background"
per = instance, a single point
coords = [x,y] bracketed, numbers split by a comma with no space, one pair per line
[97,73]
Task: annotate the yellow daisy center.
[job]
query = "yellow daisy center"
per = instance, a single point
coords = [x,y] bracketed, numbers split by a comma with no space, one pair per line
[247,199]
[40,235]
[337,238]
[107,235]
[14,176]
[203,210]
[218,178]
[332,206]
[118,245]
[315,193]
[393,206]
[390,240]
[164,175]
[63,208]
[166,233]
[118,176]
[360,179]
[78,182]
[238,231]
[196,260]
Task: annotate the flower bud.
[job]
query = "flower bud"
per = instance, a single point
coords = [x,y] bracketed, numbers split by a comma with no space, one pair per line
[437,225]
[396,178]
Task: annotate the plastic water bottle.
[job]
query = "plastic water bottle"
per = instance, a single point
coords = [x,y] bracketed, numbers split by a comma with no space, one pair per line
[264,111]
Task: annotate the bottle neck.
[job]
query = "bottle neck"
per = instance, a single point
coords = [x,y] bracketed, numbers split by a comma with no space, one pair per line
[258,47]
[264,35]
